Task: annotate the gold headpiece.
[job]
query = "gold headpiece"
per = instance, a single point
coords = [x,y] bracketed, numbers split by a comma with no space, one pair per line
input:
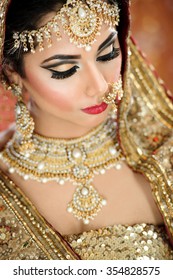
[81,21]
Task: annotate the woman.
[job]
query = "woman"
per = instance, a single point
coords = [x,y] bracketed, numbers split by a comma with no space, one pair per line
[69,189]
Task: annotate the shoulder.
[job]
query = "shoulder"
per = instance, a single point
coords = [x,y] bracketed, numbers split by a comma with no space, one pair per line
[158,167]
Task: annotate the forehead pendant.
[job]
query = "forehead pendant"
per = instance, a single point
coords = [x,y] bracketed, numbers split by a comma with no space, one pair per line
[80,20]
[82,24]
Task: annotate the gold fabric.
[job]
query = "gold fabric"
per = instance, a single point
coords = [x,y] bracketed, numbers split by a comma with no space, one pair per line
[146,131]
[146,137]
[15,242]
[24,234]
[119,242]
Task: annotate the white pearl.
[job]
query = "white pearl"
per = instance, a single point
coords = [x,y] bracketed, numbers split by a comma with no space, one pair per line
[55,28]
[69,210]
[44,180]
[166,160]
[88,48]
[18,110]
[27,155]
[102,171]
[11,170]
[61,182]
[112,151]
[81,13]
[104,202]
[0,155]
[84,191]
[26,177]
[118,166]
[76,153]
[41,166]
[86,221]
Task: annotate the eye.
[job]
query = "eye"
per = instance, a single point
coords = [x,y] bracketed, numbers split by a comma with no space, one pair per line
[107,57]
[60,75]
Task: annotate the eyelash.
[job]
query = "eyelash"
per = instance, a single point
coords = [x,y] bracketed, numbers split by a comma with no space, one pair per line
[66,74]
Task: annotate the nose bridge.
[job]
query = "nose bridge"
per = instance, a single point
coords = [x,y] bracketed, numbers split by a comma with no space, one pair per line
[96,82]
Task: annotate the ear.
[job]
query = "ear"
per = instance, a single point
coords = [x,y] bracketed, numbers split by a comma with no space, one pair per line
[12,75]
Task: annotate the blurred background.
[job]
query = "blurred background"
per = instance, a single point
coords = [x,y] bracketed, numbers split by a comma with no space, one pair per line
[152,27]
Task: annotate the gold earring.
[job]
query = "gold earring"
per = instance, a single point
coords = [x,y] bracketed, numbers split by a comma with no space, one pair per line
[24,123]
[115,94]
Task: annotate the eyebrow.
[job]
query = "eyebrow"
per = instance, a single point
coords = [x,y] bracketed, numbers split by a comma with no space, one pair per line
[62,57]
[103,45]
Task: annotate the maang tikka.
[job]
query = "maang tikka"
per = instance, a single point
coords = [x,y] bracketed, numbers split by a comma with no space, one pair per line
[24,122]
[81,22]
[115,94]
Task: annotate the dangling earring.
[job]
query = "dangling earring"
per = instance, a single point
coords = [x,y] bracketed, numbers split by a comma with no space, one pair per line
[115,94]
[24,123]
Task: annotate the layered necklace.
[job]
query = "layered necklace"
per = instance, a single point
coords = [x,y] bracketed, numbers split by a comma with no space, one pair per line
[76,160]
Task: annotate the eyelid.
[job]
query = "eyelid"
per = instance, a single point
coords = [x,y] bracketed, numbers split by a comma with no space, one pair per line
[112,41]
[108,47]
[60,75]
[63,72]
[109,56]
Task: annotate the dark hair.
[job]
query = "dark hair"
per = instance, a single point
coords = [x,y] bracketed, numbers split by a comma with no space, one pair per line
[26,15]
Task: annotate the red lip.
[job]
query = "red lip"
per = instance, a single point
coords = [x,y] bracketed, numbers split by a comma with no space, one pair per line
[94,110]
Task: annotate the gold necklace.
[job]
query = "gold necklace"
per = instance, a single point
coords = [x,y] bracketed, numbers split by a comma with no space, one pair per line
[76,160]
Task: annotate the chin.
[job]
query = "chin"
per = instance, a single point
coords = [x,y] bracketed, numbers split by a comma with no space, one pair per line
[94,120]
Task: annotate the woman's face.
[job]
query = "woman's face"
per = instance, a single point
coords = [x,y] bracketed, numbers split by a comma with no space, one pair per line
[64,80]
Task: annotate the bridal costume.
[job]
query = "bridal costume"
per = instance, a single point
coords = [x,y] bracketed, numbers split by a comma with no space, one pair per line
[145,135]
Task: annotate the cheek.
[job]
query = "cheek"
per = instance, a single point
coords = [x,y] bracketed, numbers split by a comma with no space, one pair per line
[112,70]
[46,90]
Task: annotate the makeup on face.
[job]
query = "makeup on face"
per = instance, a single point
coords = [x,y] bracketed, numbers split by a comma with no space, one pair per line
[71,100]
[70,63]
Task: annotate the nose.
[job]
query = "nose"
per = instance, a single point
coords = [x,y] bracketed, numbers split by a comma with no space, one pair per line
[96,82]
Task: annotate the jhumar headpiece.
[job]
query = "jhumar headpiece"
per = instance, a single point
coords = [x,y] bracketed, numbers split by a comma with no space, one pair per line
[81,21]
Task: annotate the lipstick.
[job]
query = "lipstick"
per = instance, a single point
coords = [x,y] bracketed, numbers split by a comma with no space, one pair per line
[97,109]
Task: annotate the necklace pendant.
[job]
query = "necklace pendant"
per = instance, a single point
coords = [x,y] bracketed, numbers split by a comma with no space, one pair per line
[86,203]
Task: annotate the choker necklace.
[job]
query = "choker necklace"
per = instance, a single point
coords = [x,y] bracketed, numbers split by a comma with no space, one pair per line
[76,160]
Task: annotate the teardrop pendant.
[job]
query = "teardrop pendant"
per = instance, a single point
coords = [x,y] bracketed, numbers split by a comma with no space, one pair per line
[86,203]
